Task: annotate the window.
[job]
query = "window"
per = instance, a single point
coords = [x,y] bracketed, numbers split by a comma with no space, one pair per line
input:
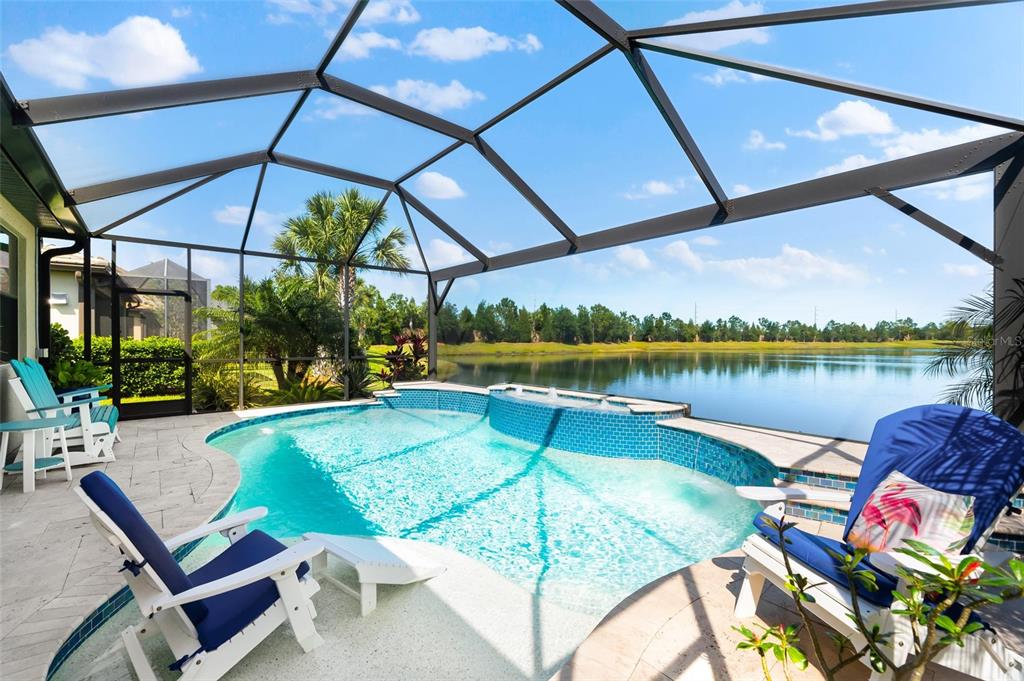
[8,296]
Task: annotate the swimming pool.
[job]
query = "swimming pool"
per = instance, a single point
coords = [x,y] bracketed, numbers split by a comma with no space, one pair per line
[583,530]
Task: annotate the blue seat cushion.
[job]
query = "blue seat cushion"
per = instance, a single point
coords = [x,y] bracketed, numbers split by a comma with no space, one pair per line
[105,493]
[230,612]
[812,550]
[102,414]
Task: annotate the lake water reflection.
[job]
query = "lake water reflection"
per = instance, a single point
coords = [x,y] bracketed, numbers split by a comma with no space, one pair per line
[838,393]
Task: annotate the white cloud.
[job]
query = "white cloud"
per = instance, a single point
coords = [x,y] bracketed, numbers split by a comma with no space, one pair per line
[318,10]
[431,96]
[707,240]
[848,163]
[756,141]
[961,270]
[722,39]
[852,117]
[680,251]
[633,257]
[902,144]
[464,44]
[741,189]
[359,45]
[181,12]
[138,51]
[791,266]
[654,188]
[390,12]
[442,253]
[261,219]
[968,188]
[723,76]
[214,268]
[873,251]
[334,107]
[434,185]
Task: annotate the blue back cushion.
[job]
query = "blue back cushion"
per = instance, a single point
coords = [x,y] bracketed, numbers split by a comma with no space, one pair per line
[949,448]
[108,496]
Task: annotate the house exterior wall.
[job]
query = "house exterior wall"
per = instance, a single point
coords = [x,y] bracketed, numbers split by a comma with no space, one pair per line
[69,314]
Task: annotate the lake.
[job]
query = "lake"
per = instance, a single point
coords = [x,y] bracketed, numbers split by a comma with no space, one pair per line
[840,392]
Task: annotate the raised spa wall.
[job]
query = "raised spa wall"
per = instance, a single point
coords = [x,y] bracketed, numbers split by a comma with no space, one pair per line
[637,433]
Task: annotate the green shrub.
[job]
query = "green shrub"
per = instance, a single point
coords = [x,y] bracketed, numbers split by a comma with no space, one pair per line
[142,379]
[67,374]
[61,345]
[309,389]
[215,388]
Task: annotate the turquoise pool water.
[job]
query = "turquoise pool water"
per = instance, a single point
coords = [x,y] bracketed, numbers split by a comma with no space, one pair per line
[585,531]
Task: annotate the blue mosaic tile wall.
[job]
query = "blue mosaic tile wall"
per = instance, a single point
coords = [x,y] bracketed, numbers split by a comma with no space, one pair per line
[827,480]
[443,400]
[588,431]
[734,464]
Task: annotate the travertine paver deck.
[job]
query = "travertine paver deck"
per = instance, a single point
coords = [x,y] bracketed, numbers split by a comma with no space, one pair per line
[679,628]
[55,569]
[784,448]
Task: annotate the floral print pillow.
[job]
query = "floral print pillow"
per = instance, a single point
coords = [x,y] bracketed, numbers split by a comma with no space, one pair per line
[901,508]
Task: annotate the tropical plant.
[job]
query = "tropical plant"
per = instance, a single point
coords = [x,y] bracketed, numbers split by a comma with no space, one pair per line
[358,377]
[71,373]
[215,388]
[307,389]
[61,346]
[969,359]
[405,360]
[939,599]
[337,229]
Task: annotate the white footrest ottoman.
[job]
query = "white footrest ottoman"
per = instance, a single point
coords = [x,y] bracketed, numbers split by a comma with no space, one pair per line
[377,560]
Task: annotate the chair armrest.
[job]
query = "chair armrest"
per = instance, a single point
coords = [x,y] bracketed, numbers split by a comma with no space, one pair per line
[775,494]
[75,392]
[69,405]
[225,524]
[280,564]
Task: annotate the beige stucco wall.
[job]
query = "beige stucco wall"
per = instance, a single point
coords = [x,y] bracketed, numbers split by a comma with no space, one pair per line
[66,314]
[28,245]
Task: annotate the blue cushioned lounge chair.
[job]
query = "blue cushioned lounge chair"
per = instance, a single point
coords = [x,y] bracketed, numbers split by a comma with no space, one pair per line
[212,617]
[93,431]
[952,449]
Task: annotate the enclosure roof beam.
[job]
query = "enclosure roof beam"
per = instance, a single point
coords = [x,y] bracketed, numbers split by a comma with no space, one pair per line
[159,202]
[255,202]
[513,178]
[393,107]
[862,9]
[609,29]
[346,27]
[837,85]
[106,190]
[934,166]
[415,236]
[133,100]
[446,228]
[936,225]
[331,171]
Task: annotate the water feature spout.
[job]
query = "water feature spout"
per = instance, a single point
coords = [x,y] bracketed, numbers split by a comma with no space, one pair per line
[519,390]
[604,404]
[552,394]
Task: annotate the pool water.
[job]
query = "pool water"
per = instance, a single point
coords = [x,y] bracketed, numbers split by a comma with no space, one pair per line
[582,530]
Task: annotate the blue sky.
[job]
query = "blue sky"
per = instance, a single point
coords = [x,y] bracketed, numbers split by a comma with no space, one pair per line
[595,148]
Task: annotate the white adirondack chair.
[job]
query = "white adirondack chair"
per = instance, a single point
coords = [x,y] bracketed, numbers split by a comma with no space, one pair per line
[91,436]
[949,448]
[212,617]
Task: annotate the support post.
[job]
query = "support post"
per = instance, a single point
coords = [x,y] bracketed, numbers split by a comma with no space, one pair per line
[1008,292]
[87,310]
[241,330]
[431,331]
[346,296]
[189,362]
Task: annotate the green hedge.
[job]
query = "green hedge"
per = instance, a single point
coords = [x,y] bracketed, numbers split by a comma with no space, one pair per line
[143,379]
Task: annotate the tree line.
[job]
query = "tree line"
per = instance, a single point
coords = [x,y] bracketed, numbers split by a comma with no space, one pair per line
[506,321]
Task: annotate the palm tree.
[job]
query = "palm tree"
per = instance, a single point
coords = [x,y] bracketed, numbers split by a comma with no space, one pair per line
[331,230]
[970,358]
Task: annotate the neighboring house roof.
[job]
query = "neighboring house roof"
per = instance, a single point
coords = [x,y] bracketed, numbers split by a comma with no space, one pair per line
[164,268]
[73,262]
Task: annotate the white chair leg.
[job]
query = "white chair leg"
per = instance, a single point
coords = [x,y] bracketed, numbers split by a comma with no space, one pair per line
[136,655]
[296,605]
[4,439]
[750,593]
[367,598]
[65,453]
[117,435]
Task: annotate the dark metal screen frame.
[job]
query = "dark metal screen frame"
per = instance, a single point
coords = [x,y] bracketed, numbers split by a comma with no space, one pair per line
[1001,153]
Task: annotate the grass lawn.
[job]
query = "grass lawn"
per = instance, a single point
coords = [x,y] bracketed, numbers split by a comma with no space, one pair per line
[484,349]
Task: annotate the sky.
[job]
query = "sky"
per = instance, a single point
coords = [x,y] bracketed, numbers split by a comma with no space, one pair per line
[595,149]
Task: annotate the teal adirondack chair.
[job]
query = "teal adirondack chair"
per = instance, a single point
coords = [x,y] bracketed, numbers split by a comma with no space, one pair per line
[93,429]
